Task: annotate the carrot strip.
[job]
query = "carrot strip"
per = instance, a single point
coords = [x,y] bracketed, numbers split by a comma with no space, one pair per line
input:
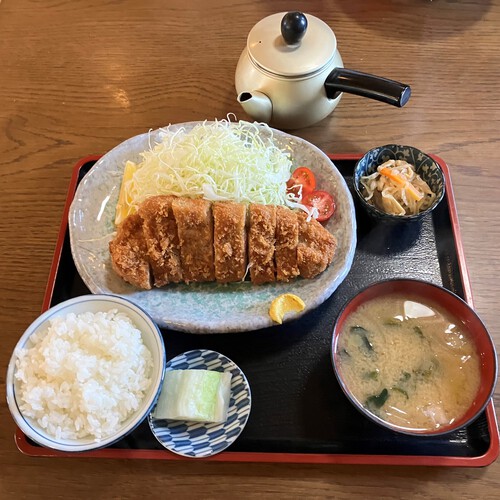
[401,181]
[398,179]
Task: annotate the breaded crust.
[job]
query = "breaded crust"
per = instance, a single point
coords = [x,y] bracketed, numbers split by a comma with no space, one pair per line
[175,239]
[195,230]
[316,247]
[129,254]
[160,232]
[287,239]
[230,241]
[261,243]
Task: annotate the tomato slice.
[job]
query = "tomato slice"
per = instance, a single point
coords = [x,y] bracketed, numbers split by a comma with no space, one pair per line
[323,201]
[304,176]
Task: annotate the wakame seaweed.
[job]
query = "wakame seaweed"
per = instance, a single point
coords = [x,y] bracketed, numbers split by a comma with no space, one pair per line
[419,332]
[373,375]
[392,322]
[401,391]
[363,333]
[378,401]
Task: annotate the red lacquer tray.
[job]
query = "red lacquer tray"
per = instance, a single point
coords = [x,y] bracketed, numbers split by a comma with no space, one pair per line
[299,413]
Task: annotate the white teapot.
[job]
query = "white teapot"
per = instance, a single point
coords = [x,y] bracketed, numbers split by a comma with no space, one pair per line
[291,75]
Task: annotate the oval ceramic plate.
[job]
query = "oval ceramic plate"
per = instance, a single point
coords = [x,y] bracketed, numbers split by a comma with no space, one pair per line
[198,439]
[202,307]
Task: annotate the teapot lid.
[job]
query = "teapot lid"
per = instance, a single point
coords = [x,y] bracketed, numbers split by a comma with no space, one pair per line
[311,44]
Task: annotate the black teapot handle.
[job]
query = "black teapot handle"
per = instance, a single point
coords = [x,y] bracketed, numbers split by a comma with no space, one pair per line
[366,85]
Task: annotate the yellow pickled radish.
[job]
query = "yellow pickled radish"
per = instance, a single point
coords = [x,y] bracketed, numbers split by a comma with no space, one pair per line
[288,302]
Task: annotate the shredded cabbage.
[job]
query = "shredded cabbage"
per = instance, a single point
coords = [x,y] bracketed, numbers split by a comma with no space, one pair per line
[215,160]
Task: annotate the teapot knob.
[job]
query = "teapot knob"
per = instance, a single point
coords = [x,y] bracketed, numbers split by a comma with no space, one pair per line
[293,27]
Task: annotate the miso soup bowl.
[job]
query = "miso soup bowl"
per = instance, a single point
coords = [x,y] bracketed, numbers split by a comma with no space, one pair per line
[447,301]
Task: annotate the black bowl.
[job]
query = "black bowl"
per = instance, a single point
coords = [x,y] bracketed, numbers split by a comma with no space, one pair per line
[425,167]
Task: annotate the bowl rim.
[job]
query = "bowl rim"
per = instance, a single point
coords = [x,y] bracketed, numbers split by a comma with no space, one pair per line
[72,445]
[399,218]
[374,418]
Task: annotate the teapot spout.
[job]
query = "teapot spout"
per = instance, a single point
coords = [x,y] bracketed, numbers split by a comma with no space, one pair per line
[257,105]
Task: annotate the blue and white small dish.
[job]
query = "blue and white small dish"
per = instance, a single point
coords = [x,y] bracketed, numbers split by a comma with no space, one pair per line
[425,166]
[199,439]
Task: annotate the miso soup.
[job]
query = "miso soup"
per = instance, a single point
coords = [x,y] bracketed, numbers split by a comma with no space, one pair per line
[410,363]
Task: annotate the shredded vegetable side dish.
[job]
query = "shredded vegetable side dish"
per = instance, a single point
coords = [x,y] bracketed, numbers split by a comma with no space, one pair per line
[397,189]
[215,160]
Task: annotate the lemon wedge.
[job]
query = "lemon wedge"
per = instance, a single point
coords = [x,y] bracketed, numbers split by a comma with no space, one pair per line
[288,302]
[124,207]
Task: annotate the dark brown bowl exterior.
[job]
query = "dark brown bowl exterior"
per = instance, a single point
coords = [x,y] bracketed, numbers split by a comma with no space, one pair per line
[450,302]
[425,166]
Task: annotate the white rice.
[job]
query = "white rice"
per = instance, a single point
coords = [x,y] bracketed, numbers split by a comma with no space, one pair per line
[84,375]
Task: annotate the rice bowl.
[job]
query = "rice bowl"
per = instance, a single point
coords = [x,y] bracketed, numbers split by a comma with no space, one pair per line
[85,373]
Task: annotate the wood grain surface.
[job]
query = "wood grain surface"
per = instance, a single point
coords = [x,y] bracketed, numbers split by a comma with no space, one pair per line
[79,76]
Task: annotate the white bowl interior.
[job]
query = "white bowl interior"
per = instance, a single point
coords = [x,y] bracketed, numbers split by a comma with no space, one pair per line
[152,339]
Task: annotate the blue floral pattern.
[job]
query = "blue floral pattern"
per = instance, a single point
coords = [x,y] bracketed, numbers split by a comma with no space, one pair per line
[425,166]
[199,439]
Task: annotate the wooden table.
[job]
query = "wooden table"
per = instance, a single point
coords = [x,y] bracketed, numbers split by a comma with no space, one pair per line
[77,77]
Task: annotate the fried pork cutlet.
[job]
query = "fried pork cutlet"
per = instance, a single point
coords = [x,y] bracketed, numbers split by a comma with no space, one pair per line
[316,247]
[287,239]
[261,243]
[172,239]
[196,238]
[160,232]
[129,253]
[230,241]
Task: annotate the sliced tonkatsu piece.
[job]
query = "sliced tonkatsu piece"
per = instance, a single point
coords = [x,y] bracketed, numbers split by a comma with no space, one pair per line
[230,241]
[196,238]
[160,232]
[173,239]
[287,239]
[261,243]
[129,253]
[316,247]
